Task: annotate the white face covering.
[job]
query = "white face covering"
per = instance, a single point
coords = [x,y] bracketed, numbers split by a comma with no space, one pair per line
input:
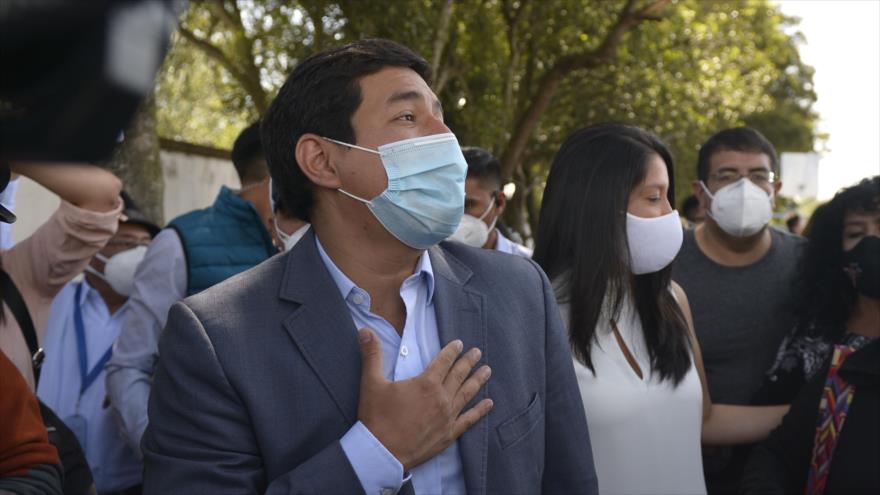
[119,269]
[653,242]
[472,230]
[290,240]
[741,209]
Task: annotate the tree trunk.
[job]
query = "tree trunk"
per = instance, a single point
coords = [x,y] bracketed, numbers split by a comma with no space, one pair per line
[136,162]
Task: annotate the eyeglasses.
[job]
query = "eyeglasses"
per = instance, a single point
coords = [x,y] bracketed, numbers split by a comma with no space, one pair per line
[128,242]
[758,177]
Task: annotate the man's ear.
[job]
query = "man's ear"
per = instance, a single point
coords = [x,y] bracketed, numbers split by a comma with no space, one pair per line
[312,156]
[777,186]
[700,193]
[500,202]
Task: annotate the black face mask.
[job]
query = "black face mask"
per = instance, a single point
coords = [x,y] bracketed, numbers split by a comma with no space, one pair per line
[864,261]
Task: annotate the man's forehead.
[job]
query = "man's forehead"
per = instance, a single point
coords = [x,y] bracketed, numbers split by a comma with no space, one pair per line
[394,84]
[734,159]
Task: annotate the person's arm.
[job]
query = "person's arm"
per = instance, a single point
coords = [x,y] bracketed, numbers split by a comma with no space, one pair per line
[568,457]
[780,464]
[725,424]
[85,186]
[159,282]
[199,439]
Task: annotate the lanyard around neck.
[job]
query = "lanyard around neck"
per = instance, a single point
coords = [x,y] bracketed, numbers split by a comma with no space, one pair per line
[87,377]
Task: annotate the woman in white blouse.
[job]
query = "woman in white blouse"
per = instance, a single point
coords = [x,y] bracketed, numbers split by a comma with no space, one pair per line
[606,237]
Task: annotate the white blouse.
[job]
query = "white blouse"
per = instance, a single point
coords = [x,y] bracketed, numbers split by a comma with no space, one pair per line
[645,432]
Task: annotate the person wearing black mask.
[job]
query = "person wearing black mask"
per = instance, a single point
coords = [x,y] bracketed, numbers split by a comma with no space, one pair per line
[831,359]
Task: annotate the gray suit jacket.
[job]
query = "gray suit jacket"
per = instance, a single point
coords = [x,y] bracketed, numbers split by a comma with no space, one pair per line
[258,379]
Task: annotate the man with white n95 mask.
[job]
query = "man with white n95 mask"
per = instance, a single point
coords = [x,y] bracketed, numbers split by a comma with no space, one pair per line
[484,203]
[357,361]
[84,321]
[738,272]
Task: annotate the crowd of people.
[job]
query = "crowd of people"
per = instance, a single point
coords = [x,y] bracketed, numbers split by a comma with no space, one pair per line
[356,318]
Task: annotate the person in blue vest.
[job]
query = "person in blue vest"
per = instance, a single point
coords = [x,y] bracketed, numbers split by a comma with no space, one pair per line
[196,251]
[84,321]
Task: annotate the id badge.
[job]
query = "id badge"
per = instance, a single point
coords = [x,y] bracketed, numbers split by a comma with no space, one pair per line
[77,425]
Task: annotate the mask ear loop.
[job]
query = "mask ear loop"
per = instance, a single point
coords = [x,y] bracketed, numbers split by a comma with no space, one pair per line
[490,208]
[349,145]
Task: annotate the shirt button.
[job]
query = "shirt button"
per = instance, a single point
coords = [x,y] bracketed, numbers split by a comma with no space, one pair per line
[404,351]
[387,491]
[357,299]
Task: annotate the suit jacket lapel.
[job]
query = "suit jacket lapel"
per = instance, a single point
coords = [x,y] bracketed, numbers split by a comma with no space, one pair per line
[460,315]
[321,327]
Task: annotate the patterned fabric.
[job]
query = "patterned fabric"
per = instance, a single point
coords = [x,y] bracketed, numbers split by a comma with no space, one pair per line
[833,406]
[807,354]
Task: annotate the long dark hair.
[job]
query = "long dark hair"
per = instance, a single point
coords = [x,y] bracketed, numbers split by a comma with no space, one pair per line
[582,241]
[828,294]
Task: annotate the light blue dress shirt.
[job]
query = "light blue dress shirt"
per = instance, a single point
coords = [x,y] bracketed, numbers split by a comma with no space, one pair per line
[114,465]
[505,245]
[404,357]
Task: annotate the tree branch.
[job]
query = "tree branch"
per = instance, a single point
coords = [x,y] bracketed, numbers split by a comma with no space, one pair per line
[210,50]
[250,84]
[441,36]
[627,20]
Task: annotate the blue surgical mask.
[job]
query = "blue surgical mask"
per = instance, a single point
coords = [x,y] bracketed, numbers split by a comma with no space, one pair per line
[424,200]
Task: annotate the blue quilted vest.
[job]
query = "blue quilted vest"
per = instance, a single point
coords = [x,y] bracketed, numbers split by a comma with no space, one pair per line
[219,241]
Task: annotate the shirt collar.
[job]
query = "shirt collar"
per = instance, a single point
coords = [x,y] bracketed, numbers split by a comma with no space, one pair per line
[86,292]
[91,295]
[502,243]
[345,285]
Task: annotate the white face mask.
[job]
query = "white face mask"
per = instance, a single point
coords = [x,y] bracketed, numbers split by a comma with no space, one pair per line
[119,269]
[472,230]
[653,242]
[741,209]
[290,240]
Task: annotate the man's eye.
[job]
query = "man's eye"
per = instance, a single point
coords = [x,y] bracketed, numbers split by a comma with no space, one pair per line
[408,117]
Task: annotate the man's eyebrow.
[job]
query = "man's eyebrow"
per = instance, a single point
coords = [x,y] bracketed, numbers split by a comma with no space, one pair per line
[412,95]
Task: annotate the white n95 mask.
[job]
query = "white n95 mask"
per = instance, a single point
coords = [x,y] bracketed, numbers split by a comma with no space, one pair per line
[653,242]
[424,201]
[741,209]
[119,269]
[472,230]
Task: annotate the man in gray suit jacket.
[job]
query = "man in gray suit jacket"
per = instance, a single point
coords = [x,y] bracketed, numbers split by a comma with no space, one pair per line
[359,362]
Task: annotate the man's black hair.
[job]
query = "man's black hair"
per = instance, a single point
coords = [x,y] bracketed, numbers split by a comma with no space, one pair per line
[247,154]
[483,165]
[320,96]
[736,139]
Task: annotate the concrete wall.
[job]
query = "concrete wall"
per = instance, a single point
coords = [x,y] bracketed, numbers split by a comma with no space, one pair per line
[191,182]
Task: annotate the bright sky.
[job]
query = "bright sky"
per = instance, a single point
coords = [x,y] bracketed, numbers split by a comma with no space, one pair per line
[843,45]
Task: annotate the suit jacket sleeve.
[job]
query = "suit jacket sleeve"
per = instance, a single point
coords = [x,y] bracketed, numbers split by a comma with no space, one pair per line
[568,463]
[199,438]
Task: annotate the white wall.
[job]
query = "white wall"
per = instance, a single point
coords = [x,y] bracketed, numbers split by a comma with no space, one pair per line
[191,182]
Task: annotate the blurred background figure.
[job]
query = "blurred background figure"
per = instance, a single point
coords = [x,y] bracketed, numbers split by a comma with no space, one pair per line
[84,321]
[693,212]
[828,367]
[794,224]
[285,227]
[197,250]
[484,204]
[28,462]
